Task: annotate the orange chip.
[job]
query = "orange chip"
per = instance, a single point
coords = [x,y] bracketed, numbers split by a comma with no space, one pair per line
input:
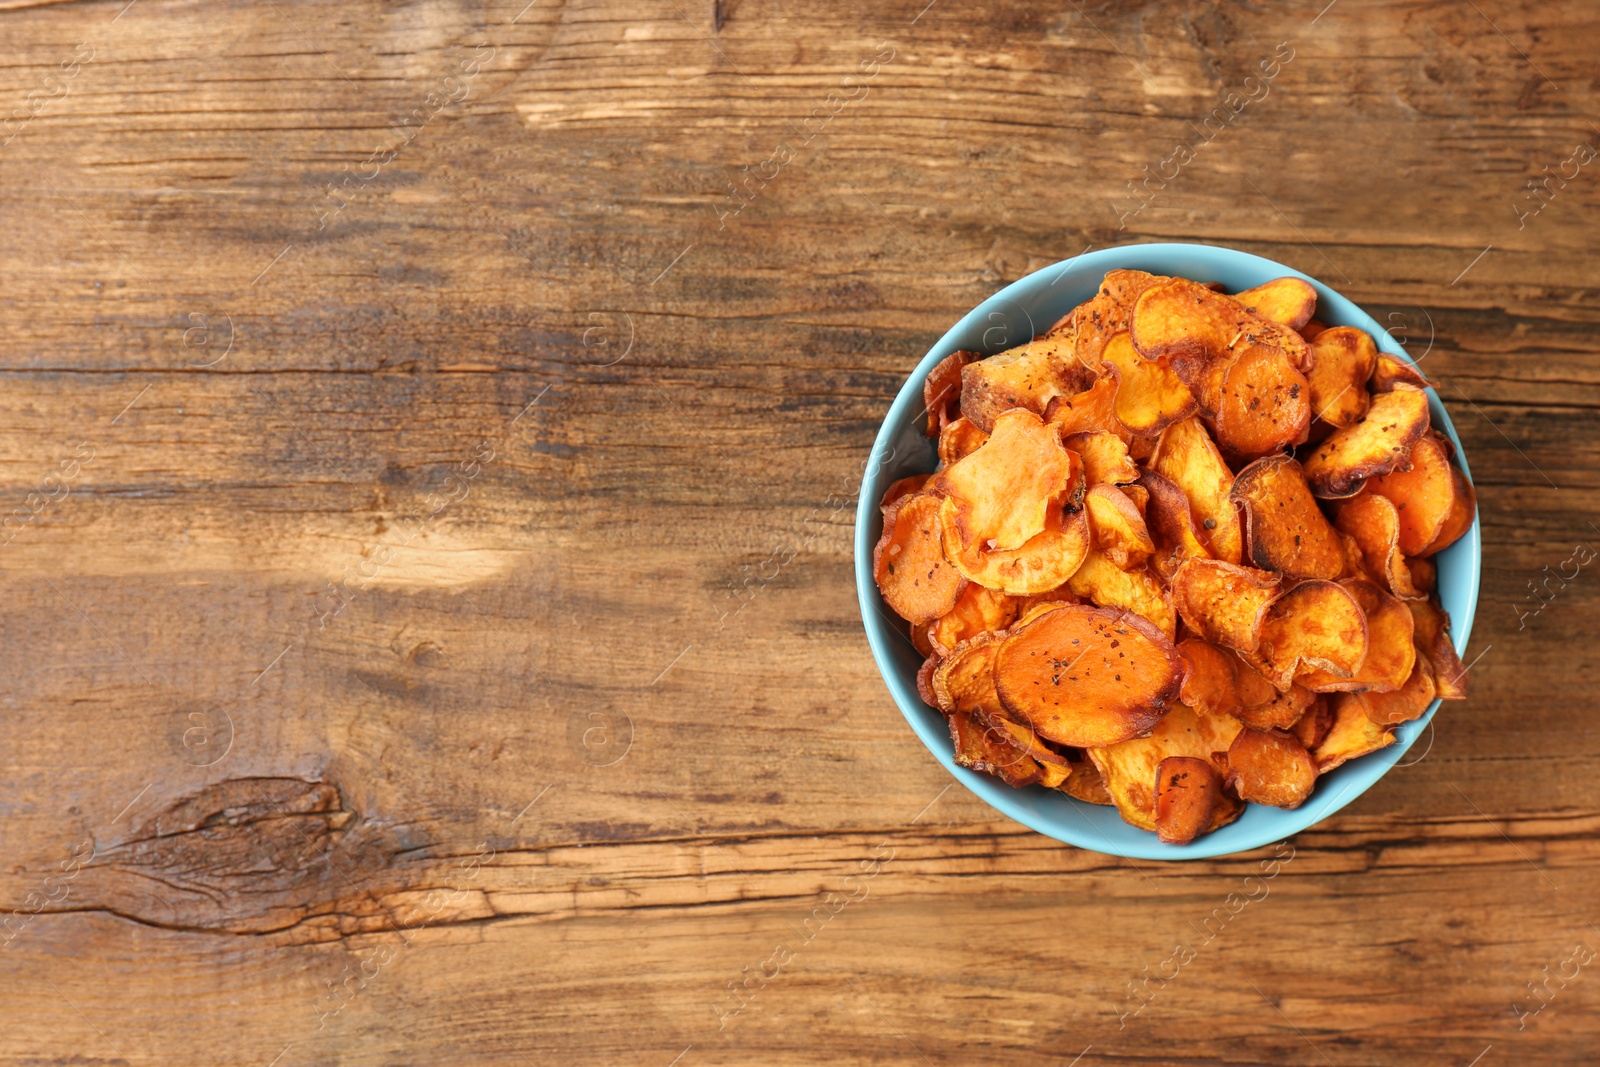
[1352,734]
[1105,457]
[958,440]
[1150,396]
[1222,602]
[1342,361]
[1107,584]
[1106,314]
[1287,301]
[1423,495]
[1432,635]
[1086,784]
[1278,711]
[1463,509]
[981,747]
[1006,492]
[1406,703]
[1270,767]
[1187,456]
[977,610]
[1314,724]
[1391,653]
[1210,680]
[925,680]
[1085,676]
[1285,530]
[1379,443]
[1029,376]
[1373,523]
[964,679]
[1043,564]
[1171,524]
[909,562]
[1120,533]
[1187,790]
[1129,767]
[1264,405]
[941,390]
[1316,625]
[1388,369]
[903,487]
[1093,409]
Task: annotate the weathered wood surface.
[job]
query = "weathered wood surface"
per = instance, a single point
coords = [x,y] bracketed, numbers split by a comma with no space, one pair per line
[437,642]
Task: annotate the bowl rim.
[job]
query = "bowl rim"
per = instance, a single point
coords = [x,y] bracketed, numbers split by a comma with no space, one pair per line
[1361,774]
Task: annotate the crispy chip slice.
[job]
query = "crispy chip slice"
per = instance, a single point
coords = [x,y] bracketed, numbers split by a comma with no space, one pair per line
[964,679]
[909,563]
[921,641]
[1171,524]
[1006,492]
[1424,495]
[1312,329]
[1093,409]
[1085,676]
[1264,405]
[1043,564]
[1379,443]
[1086,784]
[1187,790]
[1287,301]
[1432,635]
[958,440]
[1107,584]
[981,747]
[1280,710]
[1105,457]
[1187,456]
[1270,767]
[1106,314]
[1285,530]
[1029,376]
[1406,703]
[925,680]
[1391,652]
[1120,533]
[1463,510]
[903,487]
[1389,369]
[1342,361]
[1129,767]
[1210,680]
[1373,523]
[1351,735]
[977,610]
[1314,725]
[1150,396]
[1316,625]
[941,390]
[1222,602]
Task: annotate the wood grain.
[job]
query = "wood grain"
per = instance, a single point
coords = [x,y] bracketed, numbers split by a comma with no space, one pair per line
[444,649]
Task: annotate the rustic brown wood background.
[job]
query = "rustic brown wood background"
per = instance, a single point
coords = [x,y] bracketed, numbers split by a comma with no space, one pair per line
[428,625]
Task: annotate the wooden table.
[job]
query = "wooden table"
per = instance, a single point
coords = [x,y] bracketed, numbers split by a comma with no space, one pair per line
[431,433]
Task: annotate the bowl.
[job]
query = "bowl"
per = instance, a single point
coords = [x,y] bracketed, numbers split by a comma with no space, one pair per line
[1011,317]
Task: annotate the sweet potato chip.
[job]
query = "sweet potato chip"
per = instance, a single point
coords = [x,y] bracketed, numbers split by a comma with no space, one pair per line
[1270,767]
[903,487]
[1287,301]
[1106,314]
[1352,734]
[1043,564]
[1107,584]
[1210,680]
[941,390]
[1316,625]
[925,680]
[921,641]
[1463,509]
[1314,725]
[1285,530]
[1406,703]
[981,747]
[1086,784]
[1006,491]
[1264,405]
[977,610]
[964,679]
[1379,443]
[1432,636]
[1373,523]
[909,562]
[1187,789]
[958,440]
[1120,533]
[1187,457]
[1105,457]
[1129,767]
[1094,409]
[1391,654]
[1029,376]
[1342,360]
[1389,369]
[1423,495]
[1085,676]
[1277,711]
[1222,602]
[1171,524]
[1311,330]
[1150,396]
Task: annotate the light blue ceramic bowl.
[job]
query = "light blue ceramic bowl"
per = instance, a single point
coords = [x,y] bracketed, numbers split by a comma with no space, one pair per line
[1011,317]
